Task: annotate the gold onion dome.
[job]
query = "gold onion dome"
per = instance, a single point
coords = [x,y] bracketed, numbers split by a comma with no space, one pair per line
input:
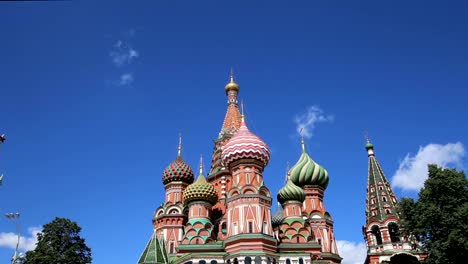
[200,190]
[291,192]
[232,86]
[308,172]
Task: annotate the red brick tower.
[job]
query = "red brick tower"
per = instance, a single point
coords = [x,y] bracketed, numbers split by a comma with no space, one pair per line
[249,201]
[169,219]
[313,178]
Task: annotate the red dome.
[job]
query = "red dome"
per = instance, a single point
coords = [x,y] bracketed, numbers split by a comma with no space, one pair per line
[178,170]
[245,145]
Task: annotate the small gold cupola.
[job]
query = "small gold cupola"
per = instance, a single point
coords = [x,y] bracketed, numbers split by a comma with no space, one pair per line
[232,86]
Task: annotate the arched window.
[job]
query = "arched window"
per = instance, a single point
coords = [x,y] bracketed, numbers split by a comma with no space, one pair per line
[228,261]
[258,260]
[236,261]
[288,261]
[376,232]
[248,260]
[214,262]
[301,261]
[394,232]
[388,211]
[297,239]
[202,262]
[268,260]
[384,199]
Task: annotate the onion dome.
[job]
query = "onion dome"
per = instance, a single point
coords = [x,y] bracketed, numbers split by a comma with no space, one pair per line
[277,218]
[291,192]
[200,190]
[245,145]
[231,86]
[308,172]
[369,147]
[178,170]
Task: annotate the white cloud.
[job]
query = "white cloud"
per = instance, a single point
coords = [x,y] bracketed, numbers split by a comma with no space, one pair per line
[308,120]
[126,79]
[27,243]
[412,171]
[122,53]
[351,252]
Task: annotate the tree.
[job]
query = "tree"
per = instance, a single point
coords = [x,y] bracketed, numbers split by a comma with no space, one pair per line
[60,243]
[439,218]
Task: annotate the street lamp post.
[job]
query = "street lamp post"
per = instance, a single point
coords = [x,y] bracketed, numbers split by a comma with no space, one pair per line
[15,217]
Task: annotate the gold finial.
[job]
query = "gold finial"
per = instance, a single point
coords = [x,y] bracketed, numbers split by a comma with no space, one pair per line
[301,132]
[179,148]
[287,171]
[201,164]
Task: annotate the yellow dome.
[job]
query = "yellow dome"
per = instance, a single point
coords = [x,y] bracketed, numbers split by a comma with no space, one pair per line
[232,86]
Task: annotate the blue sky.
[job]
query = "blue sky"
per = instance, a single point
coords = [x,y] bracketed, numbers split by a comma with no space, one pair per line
[93,96]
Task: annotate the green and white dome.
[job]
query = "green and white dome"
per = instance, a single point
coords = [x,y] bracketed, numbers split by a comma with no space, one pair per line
[291,192]
[307,172]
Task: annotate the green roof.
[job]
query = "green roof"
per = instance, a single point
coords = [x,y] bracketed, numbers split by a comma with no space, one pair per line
[155,252]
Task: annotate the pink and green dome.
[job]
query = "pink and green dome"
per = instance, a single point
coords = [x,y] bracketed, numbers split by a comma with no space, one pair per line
[245,145]
[291,192]
[200,190]
[178,170]
[307,172]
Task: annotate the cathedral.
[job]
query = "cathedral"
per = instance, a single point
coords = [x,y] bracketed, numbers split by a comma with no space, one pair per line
[225,217]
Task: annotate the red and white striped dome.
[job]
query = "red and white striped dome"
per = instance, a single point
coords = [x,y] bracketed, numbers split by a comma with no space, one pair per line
[245,145]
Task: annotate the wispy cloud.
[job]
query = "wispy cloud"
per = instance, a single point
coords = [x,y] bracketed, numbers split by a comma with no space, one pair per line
[307,121]
[27,243]
[351,252]
[126,79]
[412,171]
[122,55]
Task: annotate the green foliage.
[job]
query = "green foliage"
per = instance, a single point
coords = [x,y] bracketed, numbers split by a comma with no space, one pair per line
[439,219]
[60,243]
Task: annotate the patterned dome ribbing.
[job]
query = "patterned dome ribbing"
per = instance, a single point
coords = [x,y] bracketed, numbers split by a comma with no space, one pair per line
[308,172]
[245,145]
[291,192]
[178,170]
[200,190]
[277,218]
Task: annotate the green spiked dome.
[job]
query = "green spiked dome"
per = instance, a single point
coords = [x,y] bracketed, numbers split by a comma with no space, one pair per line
[291,192]
[308,172]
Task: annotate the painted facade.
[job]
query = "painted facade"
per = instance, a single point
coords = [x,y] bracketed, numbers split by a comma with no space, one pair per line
[226,216]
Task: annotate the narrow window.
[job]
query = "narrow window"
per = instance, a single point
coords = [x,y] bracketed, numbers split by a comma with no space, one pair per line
[248,178]
[384,199]
[297,239]
[288,261]
[171,248]
[250,227]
